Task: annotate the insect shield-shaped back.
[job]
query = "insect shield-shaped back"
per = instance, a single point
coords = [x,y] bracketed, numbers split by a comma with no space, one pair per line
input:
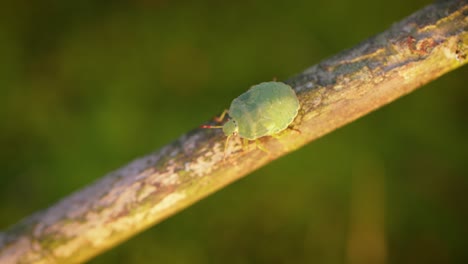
[264,110]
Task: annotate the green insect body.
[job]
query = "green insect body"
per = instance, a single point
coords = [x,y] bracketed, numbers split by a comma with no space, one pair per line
[264,110]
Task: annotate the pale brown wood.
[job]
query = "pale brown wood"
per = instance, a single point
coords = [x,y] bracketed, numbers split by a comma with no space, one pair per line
[422,47]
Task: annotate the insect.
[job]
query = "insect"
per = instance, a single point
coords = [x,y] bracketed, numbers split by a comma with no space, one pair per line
[264,110]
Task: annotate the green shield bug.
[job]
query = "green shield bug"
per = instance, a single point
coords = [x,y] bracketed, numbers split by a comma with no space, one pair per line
[264,110]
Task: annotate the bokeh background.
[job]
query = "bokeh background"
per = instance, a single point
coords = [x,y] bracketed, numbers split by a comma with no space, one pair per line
[87,86]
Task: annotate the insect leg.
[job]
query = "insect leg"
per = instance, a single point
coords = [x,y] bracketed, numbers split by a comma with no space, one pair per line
[261,147]
[225,146]
[295,129]
[245,144]
[276,136]
[220,118]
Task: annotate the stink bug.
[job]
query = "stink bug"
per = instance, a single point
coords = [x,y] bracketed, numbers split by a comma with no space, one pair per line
[264,110]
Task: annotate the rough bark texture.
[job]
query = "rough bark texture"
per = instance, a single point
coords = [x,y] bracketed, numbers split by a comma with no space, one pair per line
[411,53]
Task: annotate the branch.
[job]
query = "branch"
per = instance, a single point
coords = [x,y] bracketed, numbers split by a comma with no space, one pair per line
[337,91]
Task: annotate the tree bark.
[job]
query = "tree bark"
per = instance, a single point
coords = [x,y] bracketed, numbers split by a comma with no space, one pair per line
[422,47]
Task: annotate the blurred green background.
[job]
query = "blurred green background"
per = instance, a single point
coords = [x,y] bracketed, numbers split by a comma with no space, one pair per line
[88,86]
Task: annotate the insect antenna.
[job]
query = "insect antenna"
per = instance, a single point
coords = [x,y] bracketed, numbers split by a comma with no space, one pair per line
[210,126]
